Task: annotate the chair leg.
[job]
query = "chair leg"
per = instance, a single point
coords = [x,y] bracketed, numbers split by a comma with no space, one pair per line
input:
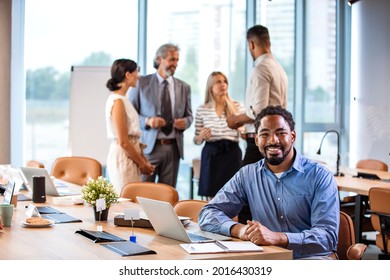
[191,182]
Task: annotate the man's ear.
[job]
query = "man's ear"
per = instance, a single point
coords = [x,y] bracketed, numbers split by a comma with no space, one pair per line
[251,44]
[293,136]
[256,140]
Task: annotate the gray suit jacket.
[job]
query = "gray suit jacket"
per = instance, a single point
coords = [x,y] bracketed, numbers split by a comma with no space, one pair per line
[146,100]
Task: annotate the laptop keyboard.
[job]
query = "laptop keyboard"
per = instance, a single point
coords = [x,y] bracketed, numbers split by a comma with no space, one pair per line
[197,238]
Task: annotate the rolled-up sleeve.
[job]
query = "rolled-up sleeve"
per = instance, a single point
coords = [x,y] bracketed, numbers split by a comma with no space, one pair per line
[216,216]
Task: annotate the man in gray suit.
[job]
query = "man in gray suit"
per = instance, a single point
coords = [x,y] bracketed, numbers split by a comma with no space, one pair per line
[164,107]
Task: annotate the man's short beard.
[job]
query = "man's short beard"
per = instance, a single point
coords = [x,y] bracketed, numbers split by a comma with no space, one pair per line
[277,160]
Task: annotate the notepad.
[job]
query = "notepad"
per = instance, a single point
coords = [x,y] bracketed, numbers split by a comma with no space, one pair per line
[128,248]
[61,218]
[48,210]
[221,247]
[99,236]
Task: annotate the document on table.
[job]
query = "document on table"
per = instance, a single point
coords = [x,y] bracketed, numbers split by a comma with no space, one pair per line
[221,247]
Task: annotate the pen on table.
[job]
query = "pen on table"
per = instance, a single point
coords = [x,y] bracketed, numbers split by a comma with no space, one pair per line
[220,245]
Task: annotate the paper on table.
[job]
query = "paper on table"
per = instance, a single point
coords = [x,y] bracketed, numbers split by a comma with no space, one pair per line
[221,247]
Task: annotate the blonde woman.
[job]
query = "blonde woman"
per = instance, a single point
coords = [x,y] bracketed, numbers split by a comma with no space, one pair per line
[125,160]
[221,155]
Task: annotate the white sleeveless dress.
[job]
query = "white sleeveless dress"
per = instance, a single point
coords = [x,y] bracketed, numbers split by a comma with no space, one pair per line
[121,169]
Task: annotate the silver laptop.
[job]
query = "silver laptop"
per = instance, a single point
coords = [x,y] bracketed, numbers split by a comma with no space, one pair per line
[165,222]
[58,189]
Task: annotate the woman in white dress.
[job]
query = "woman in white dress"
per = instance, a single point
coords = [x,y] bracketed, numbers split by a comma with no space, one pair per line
[125,160]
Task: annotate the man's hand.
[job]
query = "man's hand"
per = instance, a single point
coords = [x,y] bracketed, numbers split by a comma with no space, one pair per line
[180,124]
[236,121]
[239,231]
[233,121]
[261,235]
[155,122]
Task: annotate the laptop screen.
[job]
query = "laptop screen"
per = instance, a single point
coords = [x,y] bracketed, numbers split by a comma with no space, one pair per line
[9,192]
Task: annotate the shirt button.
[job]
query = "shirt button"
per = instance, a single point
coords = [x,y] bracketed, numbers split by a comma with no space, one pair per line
[278,198]
[281,217]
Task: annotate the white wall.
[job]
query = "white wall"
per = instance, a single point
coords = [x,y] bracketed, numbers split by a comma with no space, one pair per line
[370,81]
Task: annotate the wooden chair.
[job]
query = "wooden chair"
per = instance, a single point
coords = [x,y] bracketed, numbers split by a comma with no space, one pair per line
[347,249]
[189,208]
[35,164]
[157,191]
[372,164]
[76,170]
[380,218]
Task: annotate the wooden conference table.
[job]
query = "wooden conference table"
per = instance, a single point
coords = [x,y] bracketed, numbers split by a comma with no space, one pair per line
[59,242]
[361,187]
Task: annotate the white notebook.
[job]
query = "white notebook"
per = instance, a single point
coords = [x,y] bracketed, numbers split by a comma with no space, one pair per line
[221,247]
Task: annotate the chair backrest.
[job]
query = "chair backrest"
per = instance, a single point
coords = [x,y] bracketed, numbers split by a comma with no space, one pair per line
[372,164]
[346,235]
[35,164]
[76,170]
[189,208]
[347,249]
[379,202]
[157,191]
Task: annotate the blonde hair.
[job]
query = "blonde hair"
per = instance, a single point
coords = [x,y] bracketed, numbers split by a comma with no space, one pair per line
[230,108]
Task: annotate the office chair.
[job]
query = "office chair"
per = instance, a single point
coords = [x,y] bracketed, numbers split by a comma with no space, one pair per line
[372,164]
[380,218]
[347,249]
[157,191]
[76,170]
[189,208]
[35,164]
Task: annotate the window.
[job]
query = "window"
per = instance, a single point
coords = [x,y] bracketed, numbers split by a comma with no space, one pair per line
[279,18]
[58,35]
[211,36]
[320,98]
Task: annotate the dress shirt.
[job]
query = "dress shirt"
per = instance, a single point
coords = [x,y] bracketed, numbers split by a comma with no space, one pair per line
[303,203]
[267,86]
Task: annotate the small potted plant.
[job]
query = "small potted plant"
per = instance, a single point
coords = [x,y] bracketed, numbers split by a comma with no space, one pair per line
[97,189]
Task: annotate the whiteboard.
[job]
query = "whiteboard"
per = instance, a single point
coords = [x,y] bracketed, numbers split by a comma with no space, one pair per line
[87,123]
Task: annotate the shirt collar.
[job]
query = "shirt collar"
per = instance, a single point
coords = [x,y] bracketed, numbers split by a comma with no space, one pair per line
[161,79]
[261,58]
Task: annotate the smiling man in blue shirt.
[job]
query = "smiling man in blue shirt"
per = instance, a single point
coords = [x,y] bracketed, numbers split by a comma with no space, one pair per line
[293,200]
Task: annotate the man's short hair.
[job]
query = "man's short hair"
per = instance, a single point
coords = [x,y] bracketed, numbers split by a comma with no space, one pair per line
[259,35]
[162,52]
[275,110]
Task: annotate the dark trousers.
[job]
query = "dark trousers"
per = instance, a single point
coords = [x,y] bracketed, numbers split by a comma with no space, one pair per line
[252,155]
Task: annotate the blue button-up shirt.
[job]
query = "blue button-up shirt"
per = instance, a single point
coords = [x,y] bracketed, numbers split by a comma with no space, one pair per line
[303,203]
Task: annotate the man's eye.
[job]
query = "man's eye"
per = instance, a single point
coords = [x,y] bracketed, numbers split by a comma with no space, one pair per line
[282,133]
